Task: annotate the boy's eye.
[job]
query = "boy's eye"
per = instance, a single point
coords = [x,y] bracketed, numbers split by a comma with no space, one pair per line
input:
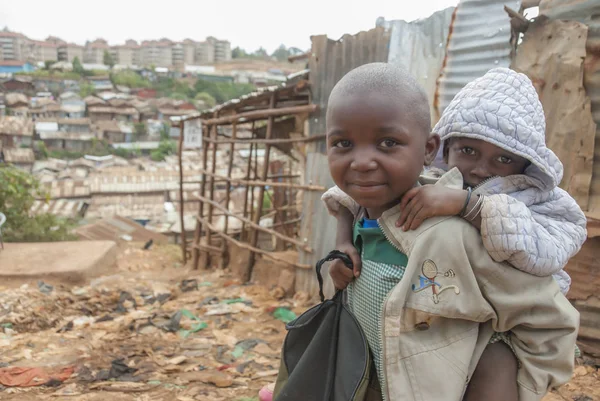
[344,143]
[504,160]
[468,151]
[388,143]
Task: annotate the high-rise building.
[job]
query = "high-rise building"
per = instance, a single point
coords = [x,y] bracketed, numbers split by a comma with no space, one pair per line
[94,51]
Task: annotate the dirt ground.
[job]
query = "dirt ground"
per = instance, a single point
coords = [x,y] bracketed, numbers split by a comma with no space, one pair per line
[152,330]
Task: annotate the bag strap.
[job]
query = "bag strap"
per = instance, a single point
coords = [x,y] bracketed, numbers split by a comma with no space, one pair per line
[331,256]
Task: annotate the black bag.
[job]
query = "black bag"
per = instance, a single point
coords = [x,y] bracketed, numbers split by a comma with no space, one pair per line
[325,355]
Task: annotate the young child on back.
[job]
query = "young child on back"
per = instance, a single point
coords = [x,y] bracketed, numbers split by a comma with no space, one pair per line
[430,299]
[493,133]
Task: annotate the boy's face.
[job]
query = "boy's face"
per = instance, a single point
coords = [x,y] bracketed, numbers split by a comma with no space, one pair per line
[478,160]
[376,151]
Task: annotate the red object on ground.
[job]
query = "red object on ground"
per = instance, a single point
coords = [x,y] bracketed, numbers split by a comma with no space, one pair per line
[29,377]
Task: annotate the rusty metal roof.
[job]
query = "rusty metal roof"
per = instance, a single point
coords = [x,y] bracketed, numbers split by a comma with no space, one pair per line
[588,12]
[16,126]
[19,156]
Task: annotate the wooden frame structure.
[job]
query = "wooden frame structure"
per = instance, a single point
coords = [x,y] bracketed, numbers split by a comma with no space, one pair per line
[271,106]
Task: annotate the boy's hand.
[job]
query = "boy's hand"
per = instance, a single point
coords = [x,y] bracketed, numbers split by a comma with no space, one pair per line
[427,201]
[339,272]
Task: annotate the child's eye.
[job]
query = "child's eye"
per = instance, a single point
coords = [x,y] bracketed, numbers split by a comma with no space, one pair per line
[344,143]
[504,160]
[468,151]
[388,143]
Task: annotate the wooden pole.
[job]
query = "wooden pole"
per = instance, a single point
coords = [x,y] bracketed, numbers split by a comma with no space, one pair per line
[258,183]
[249,167]
[259,227]
[212,187]
[198,232]
[261,190]
[181,203]
[225,254]
[262,114]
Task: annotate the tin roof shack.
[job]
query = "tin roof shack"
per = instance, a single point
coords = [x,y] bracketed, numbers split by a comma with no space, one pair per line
[222,128]
[113,131]
[72,105]
[44,108]
[75,125]
[71,141]
[100,113]
[16,132]
[17,105]
[19,157]
[20,84]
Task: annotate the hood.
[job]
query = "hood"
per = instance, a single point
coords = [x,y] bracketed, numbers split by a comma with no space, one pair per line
[503,108]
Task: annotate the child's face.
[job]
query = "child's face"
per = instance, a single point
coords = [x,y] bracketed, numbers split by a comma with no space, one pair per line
[375,150]
[478,160]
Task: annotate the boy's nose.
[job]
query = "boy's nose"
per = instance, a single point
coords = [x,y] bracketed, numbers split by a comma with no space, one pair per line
[482,171]
[363,163]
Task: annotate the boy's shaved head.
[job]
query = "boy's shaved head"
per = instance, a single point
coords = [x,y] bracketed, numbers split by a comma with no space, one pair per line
[388,81]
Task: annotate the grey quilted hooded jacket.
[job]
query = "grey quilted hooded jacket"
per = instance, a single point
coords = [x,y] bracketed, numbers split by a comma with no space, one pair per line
[527,220]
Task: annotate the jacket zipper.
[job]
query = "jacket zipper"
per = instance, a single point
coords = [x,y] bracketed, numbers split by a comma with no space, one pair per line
[482,183]
[383,382]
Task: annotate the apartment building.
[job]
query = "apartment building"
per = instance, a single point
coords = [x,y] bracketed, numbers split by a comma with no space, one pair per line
[128,54]
[15,46]
[157,53]
[94,51]
[222,49]
[44,51]
[68,51]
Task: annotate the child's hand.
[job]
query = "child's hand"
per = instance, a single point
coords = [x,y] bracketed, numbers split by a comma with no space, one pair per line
[427,201]
[339,272]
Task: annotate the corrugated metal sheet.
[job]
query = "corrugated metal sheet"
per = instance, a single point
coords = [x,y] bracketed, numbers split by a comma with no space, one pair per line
[587,12]
[479,41]
[420,47]
[331,59]
[68,208]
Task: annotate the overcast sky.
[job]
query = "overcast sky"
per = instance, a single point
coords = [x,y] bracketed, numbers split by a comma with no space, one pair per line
[245,23]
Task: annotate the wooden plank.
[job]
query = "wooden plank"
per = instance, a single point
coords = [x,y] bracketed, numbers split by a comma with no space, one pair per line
[257,226]
[271,112]
[254,249]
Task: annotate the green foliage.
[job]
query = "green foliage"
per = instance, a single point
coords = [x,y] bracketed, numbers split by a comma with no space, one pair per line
[48,64]
[42,150]
[165,148]
[179,96]
[165,133]
[86,89]
[107,59]
[139,129]
[18,191]
[52,73]
[222,91]
[281,53]
[78,67]
[205,98]
[129,78]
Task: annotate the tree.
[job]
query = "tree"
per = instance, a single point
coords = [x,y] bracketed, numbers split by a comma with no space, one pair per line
[108,59]
[48,64]
[18,191]
[238,52]
[165,148]
[78,67]
[281,54]
[140,130]
[205,98]
[86,89]
[261,53]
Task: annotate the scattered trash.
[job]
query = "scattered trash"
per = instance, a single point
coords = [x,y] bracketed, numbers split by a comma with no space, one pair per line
[189,285]
[236,301]
[118,370]
[208,301]
[205,284]
[218,379]
[200,325]
[45,288]
[126,301]
[148,244]
[29,377]
[126,237]
[66,327]
[105,318]
[245,345]
[284,314]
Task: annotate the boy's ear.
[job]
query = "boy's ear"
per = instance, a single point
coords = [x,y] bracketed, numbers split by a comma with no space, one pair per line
[431,148]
